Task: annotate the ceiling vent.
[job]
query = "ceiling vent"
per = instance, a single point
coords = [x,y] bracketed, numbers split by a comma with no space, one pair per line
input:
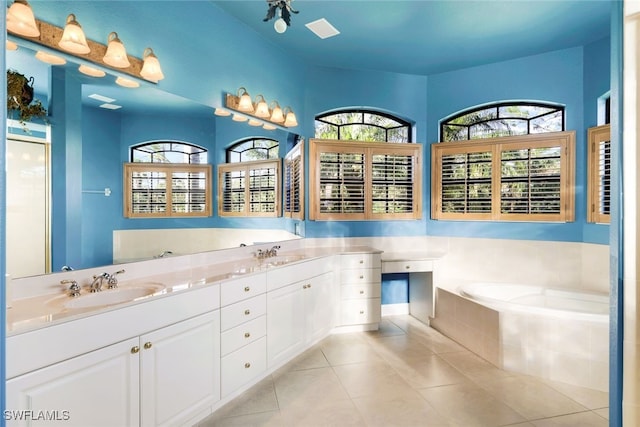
[322,28]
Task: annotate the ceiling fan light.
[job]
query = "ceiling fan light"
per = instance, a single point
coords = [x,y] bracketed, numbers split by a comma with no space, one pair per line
[73,39]
[151,67]
[20,19]
[116,55]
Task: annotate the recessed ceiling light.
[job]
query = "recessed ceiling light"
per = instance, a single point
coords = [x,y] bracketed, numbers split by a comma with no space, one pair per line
[322,28]
[101,98]
[111,106]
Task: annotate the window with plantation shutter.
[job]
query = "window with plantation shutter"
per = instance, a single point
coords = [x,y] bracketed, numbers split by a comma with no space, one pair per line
[521,178]
[294,182]
[166,190]
[354,180]
[249,188]
[599,174]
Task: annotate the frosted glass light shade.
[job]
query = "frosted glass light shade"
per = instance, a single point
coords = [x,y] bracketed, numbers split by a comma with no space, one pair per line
[245,104]
[20,19]
[290,118]
[267,126]
[276,114]
[127,83]
[254,122]
[222,112]
[116,55]
[50,59]
[151,67]
[280,26]
[238,118]
[11,45]
[90,71]
[73,39]
[262,109]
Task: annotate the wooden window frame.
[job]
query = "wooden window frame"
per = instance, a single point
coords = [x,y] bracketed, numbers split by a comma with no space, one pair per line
[247,167]
[368,149]
[293,197]
[169,169]
[596,136]
[565,140]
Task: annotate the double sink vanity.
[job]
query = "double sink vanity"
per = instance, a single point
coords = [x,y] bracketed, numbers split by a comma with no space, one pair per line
[171,344]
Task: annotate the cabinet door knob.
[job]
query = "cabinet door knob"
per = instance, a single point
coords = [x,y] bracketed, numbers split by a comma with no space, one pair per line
[135,349]
[309,285]
[247,334]
[247,312]
[361,311]
[361,261]
[247,289]
[247,365]
[361,276]
[361,292]
[407,267]
[147,345]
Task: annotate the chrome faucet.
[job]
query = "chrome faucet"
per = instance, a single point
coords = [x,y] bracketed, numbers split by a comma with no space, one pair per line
[163,254]
[267,253]
[96,285]
[74,289]
[112,280]
[273,251]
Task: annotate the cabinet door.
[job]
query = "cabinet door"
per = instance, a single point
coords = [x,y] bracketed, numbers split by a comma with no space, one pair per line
[99,388]
[180,370]
[285,323]
[318,307]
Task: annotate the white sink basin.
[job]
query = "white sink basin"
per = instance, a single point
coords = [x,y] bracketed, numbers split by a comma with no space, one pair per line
[109,297]
[283,259]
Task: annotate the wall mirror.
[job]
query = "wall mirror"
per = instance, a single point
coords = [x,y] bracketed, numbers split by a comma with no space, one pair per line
[75,216]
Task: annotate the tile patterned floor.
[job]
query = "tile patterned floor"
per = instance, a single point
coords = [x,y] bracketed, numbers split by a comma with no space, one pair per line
[406,374]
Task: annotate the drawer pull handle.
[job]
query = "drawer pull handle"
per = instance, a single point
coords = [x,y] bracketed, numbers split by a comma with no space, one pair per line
[247,289]
[361,261]
[408,267]
[247,334]
[247,365]
[247,312]
[361,276]
[309,286]
[135,349]
[147,345]
[361,311]
[361,292]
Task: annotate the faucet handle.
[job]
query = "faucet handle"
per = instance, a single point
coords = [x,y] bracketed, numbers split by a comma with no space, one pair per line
[112,281]
[74,289]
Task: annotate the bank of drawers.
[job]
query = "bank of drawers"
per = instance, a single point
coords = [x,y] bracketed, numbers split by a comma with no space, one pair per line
[360,292]
[243,325]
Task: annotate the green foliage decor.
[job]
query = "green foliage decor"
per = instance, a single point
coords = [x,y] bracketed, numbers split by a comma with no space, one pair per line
[20,100]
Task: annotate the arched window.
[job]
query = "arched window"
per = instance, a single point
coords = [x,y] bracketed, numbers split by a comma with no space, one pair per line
[362,125]
[168,152]
[364,167]
[249,183]
[503,119]
[253,149]
[167,179]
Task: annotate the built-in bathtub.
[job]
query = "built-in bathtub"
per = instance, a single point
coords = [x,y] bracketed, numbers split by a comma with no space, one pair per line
[557,334]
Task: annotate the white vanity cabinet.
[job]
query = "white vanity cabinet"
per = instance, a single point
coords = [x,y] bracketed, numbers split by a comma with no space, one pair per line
[243,331]
[360,291]
[298,313]
[162,378]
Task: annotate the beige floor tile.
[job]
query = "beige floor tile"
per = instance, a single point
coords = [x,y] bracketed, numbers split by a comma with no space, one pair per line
[373,378]
[387,328]
[259,398]
[431,371]
[531,398]
[603,412]
[473,366]
[308,386]
[589,398]
[336,413]
[345,351]
[469,405]
[406,411]
[310,359]
[582,419]
[403,347]
[263,419]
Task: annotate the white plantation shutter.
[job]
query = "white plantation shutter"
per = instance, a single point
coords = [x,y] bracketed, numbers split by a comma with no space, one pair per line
[294,182]
[599,175]
[249,188]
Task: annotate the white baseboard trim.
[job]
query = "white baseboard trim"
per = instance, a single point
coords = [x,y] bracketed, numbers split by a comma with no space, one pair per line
[395,309]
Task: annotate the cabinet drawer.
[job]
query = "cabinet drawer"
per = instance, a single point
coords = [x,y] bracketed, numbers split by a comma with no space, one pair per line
[283,276]
[246,333]
[365,290]
[243,311]
[360,275]
[360,311]
[359,261]
[406,266]
[243,365]
[239,289]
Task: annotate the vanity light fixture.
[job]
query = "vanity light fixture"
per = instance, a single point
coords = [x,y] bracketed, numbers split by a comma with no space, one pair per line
[21,21]
[239,118]
[116,55]
[222,112]
[90,71]
[50,59]
[276,113]
[73,39]
[262,109]
[127,83]
[244,104]
[290,118]
[11,45]
[151,67]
